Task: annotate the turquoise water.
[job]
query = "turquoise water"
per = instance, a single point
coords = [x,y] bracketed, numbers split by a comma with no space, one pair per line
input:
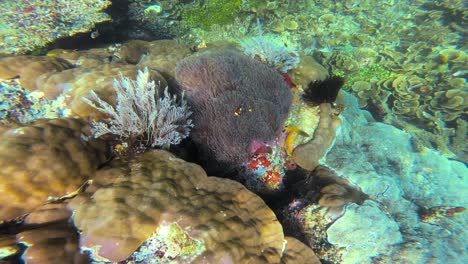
[243,74]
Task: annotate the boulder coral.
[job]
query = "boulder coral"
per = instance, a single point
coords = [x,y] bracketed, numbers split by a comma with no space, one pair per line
[43,160]
[71,74]
[129,200]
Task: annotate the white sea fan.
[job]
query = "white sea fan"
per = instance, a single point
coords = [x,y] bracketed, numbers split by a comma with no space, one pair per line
[142,113]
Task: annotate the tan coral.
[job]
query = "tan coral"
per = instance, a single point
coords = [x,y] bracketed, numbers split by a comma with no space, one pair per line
[453,103]
[29,68]
[345,63]
[364,91]
[77,82]
[50,237]
[90,58]
[157,187]
[8,246]
[46,158]
[163,55]
[296,252]
[309,70]
[336,191]
[308,155]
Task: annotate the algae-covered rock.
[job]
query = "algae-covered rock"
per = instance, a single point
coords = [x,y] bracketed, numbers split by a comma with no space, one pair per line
[383,162]
[365,231]
[28,25]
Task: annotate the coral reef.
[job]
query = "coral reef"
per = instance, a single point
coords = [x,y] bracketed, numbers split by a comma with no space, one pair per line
[383,162]
[28,25]
[44,160]
[53,76]
[156,187]
[425,52]
[18,106]
[352,189]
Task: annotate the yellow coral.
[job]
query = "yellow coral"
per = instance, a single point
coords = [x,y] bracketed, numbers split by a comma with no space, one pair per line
[290,138]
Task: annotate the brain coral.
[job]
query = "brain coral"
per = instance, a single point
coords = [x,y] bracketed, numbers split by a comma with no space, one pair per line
[129,201]
[43,159]
[235,100]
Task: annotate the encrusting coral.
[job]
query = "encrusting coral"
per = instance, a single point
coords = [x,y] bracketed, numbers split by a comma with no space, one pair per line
[43,160]
[28,25]
[157,187]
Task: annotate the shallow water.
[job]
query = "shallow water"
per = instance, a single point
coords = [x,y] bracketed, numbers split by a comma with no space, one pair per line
[399,135]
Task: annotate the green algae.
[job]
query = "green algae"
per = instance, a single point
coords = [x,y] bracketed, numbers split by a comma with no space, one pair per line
[212,12]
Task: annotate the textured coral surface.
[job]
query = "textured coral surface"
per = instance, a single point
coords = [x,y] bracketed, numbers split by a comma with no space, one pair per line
[133,198]
[41,160]
[72,74]
[29,24]
[297,252]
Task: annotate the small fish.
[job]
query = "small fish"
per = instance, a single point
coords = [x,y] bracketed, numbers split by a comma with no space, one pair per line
[94,34]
